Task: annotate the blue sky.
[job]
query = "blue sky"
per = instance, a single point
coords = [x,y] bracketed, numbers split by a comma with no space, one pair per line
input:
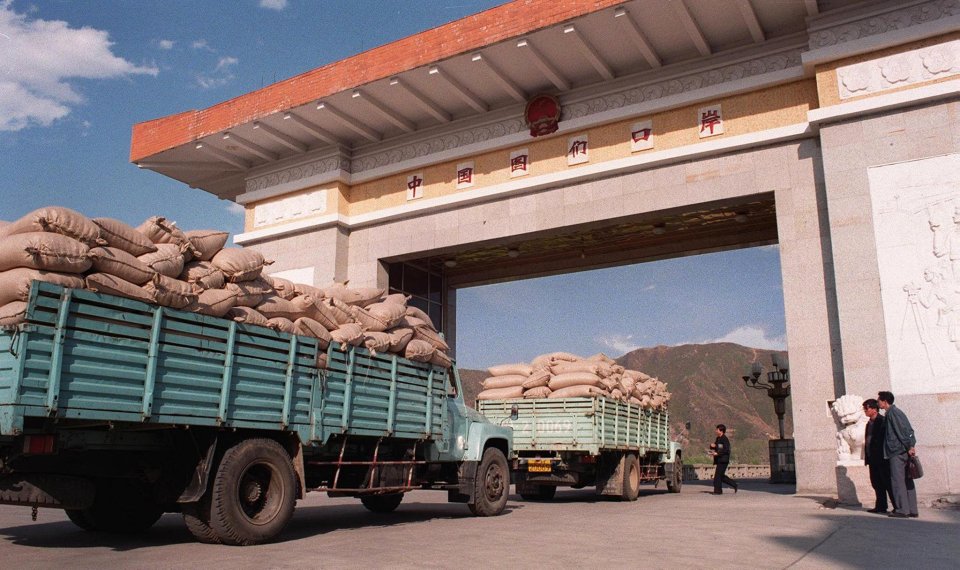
[76,76]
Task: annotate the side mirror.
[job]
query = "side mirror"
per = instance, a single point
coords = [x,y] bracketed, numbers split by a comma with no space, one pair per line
[688,426]
[514,412]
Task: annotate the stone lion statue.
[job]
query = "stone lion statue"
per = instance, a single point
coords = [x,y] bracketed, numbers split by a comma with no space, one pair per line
[848,410]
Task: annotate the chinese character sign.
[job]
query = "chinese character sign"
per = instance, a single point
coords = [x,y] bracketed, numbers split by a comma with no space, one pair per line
[464,175]
[415,186]
[641,136]
[519,163]
[710,120]
[578,149]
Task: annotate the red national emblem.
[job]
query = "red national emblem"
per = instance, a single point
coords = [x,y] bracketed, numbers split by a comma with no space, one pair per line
[542,114]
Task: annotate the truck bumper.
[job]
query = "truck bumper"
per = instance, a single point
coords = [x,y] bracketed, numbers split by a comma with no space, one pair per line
[46,490]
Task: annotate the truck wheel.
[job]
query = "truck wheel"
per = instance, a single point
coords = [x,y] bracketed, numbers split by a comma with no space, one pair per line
[253,494]
[676,482]
[382,503]
[631,478]
[492,485]
[197,518]
[119,506]
[539,492]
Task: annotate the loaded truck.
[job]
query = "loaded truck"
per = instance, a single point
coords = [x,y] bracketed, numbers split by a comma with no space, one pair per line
[118,411]
[586,441]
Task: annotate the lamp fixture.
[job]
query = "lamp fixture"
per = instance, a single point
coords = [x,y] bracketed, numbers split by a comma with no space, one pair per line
[659,229]
[512,252]
[450,263]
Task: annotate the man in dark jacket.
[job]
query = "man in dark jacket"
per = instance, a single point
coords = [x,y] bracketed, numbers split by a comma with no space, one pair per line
[898,445]
[720,450]
[873,457]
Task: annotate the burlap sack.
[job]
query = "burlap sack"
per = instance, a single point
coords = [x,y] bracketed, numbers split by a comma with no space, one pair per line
[616,394]
[282,324]
[168,260]
[42,250]
[390,314]
[213,302]
[419,351]
[361,296]
[206,243]
[273,306]
[247,315]
[13,313]
[317,310]
[160,230]
[309,327]
[552,357]
[115,261]
[419,314]
[601,357]
[431,336]
[634,400]
[250,293]
[58,220]
[240,264]
[348,334]
[607,383]
[202,275]
[113,285]
[503,381]
[399,338]
[339,310]
[368,321]
[15,283]
[561,381]
[508,369]
[579,391]
[397,298]
[627,384]
[308,290]
[122,236]
[501,393]
[376,341]
[539,392]
[170,292]
[283,287]
[538,378]
[441,359]
[565,366]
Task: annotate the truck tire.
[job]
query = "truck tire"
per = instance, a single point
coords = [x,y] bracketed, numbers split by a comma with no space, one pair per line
[676,481]
[120,506]
[492,486]
[382,503]
[539,492]
[196,516]
[631,478]
[253,494]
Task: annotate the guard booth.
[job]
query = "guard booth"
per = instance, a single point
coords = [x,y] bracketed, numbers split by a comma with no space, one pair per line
[538,138]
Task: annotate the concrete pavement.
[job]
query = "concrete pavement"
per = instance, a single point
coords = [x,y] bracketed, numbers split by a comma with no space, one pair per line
[762,526]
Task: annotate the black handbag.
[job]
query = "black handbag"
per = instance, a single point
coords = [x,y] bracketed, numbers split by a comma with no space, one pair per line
[914,468]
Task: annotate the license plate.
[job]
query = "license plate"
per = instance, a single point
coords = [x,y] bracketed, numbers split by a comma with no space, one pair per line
[540,466]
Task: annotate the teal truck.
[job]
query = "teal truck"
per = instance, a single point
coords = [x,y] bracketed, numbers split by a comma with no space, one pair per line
[118,411]
[580,442]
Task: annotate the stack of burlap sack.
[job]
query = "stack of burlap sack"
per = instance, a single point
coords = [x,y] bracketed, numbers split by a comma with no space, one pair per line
[161,264]
[565,375]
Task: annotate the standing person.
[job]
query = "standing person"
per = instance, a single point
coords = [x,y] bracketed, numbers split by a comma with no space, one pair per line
[898,445]
[873,457]
[720,450]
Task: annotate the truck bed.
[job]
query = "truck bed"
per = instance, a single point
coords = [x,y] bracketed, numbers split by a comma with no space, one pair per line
[580,424]
[94,358]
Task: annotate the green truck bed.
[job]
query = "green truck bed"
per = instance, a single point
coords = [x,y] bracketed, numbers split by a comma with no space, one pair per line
[88,357]
[580,424]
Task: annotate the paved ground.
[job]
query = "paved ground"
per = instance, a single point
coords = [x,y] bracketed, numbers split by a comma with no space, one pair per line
[762,526]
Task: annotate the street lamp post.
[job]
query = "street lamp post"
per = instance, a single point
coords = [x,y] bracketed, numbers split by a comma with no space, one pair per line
[777,386]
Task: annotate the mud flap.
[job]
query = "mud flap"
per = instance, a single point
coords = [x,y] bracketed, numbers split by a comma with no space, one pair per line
[466,478]
[610,473]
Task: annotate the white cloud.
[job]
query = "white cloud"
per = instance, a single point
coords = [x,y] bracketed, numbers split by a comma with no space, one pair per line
[650,287]
[622,344]
[166,44]
[201,44]
[277,5]
[235,208]
[39,59]
[221,75]
[752,336]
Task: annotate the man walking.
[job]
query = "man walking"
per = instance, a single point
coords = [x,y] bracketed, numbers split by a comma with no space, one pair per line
[873,457]
[720,450]
[898,445]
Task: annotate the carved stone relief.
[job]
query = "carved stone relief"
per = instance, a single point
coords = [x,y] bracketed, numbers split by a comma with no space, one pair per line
[916,213]
[908,68]
[882,23]
[299,172]
[290,209]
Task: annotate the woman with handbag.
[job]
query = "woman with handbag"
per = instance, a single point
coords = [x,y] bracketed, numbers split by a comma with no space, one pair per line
[899,446]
